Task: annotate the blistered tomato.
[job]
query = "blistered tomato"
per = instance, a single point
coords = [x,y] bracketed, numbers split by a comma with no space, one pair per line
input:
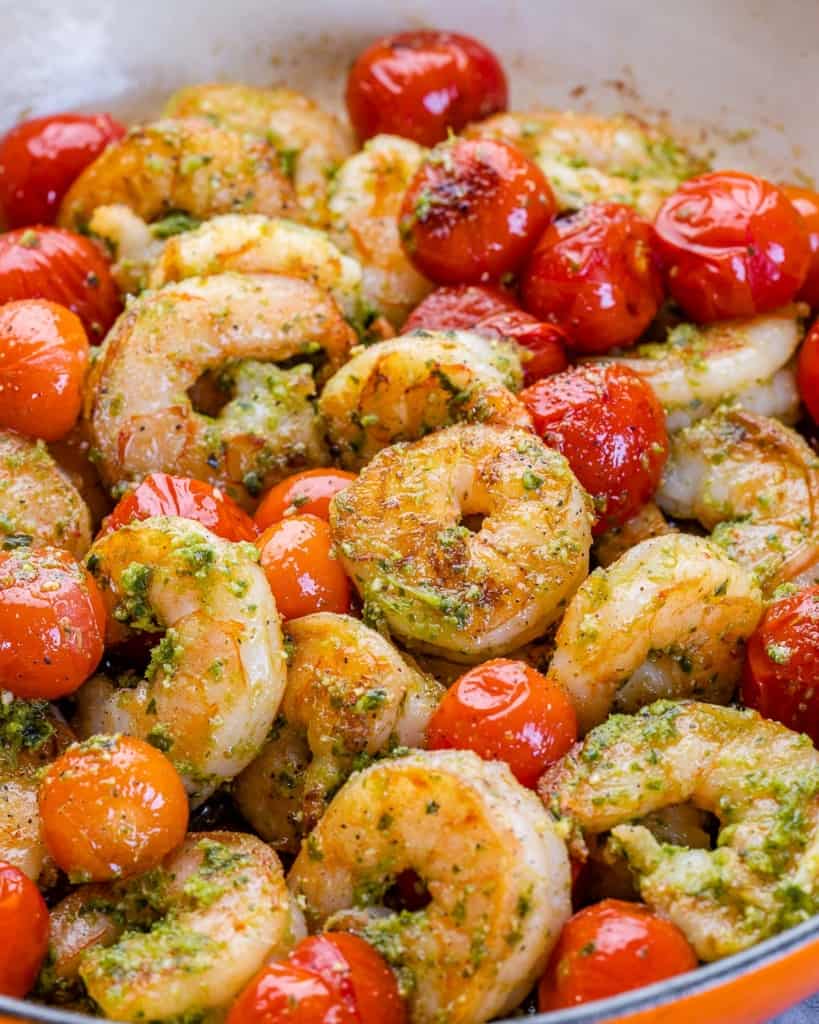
[306,493]
[24,927]
[807,206]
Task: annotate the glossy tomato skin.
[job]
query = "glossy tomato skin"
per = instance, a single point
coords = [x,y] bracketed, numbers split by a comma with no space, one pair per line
[306,493]
[282,993]
[807,206]
[421,84]
[609,424]
[52,623]
[55,264]
[545,343]
[474,211]
[807,372]
[24,927]
[40,158]
[732,245]
[594,273]
[507,711]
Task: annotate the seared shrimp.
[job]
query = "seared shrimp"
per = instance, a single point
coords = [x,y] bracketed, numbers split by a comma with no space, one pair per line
[496,873]
[364,206]
[404,388]
[648,522]
[667,619]
[235,327]
[350,696]
[215,680]
[401,533]
[760,779]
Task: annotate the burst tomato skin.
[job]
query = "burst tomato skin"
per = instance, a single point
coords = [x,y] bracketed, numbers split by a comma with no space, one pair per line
[611,427]
[732,245]
[807,206]
[284,994]
[55,264]
[506,710]
[40,158]
[24,927]
[306,493]
[421,84]
[807,372]
[595,275]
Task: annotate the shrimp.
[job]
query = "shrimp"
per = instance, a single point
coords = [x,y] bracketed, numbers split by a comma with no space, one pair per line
[761,781]
[403,537]
[496,873]
[350,696]
[235,326]
[215,679]
[364,205]
[648,522]
[404,388]
[74,455]
[38,503]
[588,158]
[667,619]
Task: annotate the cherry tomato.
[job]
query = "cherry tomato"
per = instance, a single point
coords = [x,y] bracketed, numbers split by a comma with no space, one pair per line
[546,343]
[111,807]
[807,372]
[160,494]
[594,273]
[307,493]
[422,84]
[43,357]
[305,577]
[807,206]
[608,948]
[284,994]
[51,263]
[609,424]
[52,623]
[474,211]
[782,663]
[40,158]
[732,245]
[507,711]
[24,927]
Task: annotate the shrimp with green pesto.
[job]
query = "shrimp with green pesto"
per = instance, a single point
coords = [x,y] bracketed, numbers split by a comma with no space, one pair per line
[496,872]
[648,522]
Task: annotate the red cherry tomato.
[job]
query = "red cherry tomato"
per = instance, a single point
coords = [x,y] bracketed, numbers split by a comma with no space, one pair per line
[162,495]
[545,343]
[732,245]
[506,711]
[54,264]
[609,424]
[40,158]
[52,623]
[807,206]
[307,493]
[422,84]
[807,372]
[283,994]
[296,554]
[594,273]
[24,927]
[474,211]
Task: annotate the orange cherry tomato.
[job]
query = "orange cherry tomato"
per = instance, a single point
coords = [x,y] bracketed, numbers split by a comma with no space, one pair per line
[732,245]
[40,158]
[51,263]
[421,84]
[807,372]
[52,623]
[304,576]
[160,494]
[610,425]
[24,927]
[506,711]
[111,807]
[306,493]
[595,275]
[608,948]
[474,211]
[807,206]
[284,994]
[43,358]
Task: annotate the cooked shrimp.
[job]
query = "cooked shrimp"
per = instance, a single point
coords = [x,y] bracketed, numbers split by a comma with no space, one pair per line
[648,522]
[496,873]
[350,696]
[233,325]
[215,680]
[760,779]
[74,455]
[404,388]
[364,206]
[667,619]
[432,581]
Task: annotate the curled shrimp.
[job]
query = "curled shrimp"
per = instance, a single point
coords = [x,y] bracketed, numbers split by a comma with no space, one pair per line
[349,696]
[215,679]
[404,388]
[648,522]
[467,596]
[496,874]
[232,329]
[667,619]
[761,781]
